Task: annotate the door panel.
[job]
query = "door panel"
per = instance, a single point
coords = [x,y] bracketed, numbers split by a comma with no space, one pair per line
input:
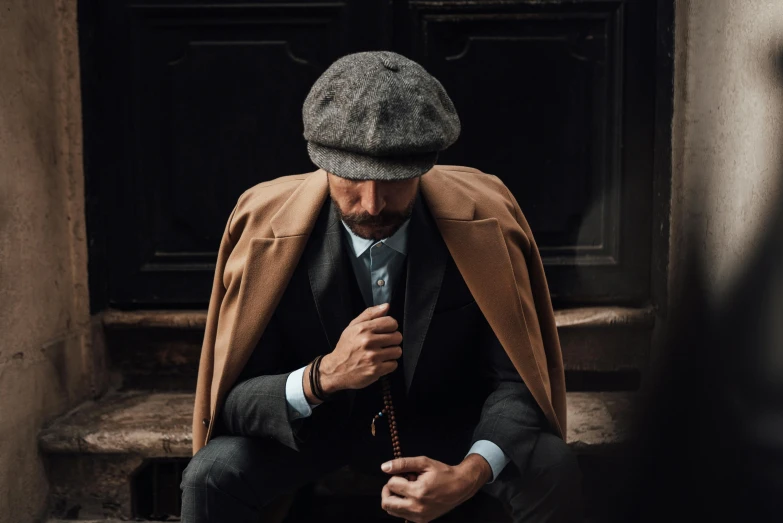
[187,104]
[540,93]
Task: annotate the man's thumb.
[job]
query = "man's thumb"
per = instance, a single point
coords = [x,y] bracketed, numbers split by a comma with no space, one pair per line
[402,465]
[370,313]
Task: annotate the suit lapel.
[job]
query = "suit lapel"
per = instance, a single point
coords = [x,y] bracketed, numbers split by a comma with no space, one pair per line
[426,264]
[327,268]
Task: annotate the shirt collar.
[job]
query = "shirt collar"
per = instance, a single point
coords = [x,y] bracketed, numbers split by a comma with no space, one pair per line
[397,241]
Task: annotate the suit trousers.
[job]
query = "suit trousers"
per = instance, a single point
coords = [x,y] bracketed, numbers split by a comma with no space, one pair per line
[233,477]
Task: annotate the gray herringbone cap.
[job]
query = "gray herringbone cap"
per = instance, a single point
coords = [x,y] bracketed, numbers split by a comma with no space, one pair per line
[378,115]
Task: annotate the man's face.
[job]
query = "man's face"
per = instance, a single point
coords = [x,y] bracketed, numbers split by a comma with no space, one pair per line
[373,209]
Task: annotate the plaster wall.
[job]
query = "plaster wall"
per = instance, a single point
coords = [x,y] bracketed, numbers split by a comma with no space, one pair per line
[727,140]
[45,343]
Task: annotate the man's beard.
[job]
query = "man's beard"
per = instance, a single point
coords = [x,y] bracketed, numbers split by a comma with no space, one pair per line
[369,227]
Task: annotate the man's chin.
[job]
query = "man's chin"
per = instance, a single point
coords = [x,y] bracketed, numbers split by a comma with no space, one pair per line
[372,233]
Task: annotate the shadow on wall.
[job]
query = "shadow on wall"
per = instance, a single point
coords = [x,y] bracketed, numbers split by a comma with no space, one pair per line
[709,443]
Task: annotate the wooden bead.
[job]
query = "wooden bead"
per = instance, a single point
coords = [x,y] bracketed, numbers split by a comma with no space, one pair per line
[388,410]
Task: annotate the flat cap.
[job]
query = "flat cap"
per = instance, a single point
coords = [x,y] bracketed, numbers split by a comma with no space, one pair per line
[378,115]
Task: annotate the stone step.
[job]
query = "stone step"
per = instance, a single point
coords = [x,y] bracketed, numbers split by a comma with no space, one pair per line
[95,450]
[604,348]
[158,424]
[138,422]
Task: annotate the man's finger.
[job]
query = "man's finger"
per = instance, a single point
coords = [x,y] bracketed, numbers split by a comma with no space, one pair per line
[401,486]
[376,311]
[401,465]
[388,354]
[384,340]
[395,505]
[383,324]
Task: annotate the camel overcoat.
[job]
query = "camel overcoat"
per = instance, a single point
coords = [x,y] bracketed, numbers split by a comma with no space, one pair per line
[483,228]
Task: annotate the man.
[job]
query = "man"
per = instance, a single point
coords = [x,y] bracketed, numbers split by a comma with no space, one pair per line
[458,373]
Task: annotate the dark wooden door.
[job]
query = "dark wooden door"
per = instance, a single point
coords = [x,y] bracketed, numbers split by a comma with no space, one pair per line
[187,104]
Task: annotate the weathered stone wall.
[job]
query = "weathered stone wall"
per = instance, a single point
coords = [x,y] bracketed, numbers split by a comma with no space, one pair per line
[45,344]
[727,135]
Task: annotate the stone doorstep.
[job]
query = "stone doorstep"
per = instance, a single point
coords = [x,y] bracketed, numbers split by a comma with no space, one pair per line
[138,422]
[603,339]
[95,448]
[158,424]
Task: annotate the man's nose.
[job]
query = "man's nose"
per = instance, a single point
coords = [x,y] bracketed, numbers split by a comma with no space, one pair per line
[372,200]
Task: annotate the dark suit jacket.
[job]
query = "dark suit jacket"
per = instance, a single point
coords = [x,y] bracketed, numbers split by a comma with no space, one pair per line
[456,384]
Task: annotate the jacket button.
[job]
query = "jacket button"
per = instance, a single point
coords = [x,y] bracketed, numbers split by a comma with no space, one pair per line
[205,421]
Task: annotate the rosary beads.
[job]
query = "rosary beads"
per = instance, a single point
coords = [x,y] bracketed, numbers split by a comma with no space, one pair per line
[388,410]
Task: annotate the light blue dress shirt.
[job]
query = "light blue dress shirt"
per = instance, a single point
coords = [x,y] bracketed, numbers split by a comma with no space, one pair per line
[377,265]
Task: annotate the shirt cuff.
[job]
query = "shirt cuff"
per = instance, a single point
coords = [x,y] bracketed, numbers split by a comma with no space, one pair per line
[298,406]
[496,458]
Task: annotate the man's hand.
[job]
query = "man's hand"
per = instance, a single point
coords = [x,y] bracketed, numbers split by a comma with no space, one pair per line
[368,348]
[435,489]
